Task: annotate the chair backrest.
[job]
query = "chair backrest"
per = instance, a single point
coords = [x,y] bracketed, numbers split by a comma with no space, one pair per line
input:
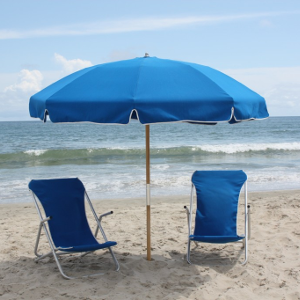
[63,201]
[217,201]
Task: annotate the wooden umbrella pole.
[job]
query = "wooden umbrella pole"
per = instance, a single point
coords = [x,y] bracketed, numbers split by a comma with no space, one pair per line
[148,191]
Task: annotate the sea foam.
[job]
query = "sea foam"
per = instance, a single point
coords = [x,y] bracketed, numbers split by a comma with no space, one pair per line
[236,148]
[35,152]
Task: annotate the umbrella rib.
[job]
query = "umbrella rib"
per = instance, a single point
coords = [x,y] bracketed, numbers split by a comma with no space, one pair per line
[46,112]
[137,81]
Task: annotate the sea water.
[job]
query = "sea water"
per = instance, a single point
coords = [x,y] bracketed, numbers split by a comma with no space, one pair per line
[110,159]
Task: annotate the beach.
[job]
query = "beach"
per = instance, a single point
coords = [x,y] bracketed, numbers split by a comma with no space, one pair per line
[133,99]
[272,271]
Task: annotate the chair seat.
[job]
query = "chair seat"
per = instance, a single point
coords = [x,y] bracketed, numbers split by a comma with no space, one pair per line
[84,248]
[216,239]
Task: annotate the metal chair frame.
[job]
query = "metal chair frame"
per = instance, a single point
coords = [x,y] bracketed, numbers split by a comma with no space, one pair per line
[247,225]
[56,252]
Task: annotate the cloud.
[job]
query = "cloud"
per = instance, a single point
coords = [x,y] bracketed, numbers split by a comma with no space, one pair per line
[72,65]
[28,82]
[117,55]
[14,98]
[132,25]
[266,24]
[279,86]
[284,97]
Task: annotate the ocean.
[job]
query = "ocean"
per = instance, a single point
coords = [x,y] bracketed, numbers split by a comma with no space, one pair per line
[110,159]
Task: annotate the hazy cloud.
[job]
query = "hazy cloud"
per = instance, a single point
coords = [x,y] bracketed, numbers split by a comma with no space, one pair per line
[120,55]
[71,65]
[266,23]
[28,81]
[14,98]
[279,86]
[131,25]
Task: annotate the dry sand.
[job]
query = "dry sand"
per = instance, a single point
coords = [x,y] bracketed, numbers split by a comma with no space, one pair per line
[272,272]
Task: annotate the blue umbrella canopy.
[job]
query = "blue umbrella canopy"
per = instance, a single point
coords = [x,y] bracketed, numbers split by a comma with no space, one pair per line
[151,90]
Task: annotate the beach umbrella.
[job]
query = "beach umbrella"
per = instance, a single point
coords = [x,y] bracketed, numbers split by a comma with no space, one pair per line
[151,90]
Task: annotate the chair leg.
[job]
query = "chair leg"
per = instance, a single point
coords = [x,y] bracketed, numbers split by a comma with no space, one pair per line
[86,253]
[60,267]
[55,255]
[41,256]
[112,254]
[245,245]
[89,275]
[188,252]
[247,234]
[114,258]
[245,242]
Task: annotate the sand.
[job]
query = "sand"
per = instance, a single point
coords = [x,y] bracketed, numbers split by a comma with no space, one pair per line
[272,272]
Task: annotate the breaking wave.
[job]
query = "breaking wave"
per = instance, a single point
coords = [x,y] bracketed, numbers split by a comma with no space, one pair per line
[42,157]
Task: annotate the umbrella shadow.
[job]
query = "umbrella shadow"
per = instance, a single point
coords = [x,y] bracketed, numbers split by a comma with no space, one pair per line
[166,275]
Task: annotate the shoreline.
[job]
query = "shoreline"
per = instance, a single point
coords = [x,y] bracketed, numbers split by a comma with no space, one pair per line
[155,199]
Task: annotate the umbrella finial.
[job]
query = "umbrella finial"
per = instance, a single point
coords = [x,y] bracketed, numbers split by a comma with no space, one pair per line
[146,55]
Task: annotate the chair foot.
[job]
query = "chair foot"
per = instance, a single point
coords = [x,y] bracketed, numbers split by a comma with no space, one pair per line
[115,260]
[188,252]
[55,255]
[245,246]
[189,261]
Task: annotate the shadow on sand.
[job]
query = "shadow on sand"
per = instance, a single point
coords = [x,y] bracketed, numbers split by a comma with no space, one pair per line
[167,276]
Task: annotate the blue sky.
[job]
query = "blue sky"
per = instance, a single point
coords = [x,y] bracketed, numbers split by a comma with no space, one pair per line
[256,42]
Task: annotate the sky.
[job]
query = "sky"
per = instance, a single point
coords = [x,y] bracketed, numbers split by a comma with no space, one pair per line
[257,42]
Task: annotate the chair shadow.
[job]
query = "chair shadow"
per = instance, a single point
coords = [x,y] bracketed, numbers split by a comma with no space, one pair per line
[222,258]
[169,274]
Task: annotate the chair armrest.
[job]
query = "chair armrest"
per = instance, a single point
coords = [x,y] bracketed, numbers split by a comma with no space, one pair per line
[187,211]
[99,224]
[104,215]
[249,222]
[188,217]
[45,220]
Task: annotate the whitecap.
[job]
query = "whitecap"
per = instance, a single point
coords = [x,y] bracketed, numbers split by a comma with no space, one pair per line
[35,152]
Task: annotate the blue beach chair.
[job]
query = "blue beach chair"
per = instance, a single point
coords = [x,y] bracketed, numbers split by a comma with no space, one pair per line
[68,231]
[217,205]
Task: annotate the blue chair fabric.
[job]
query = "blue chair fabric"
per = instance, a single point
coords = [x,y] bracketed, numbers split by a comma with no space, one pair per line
[217,204]
[217,208]
[63,201]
